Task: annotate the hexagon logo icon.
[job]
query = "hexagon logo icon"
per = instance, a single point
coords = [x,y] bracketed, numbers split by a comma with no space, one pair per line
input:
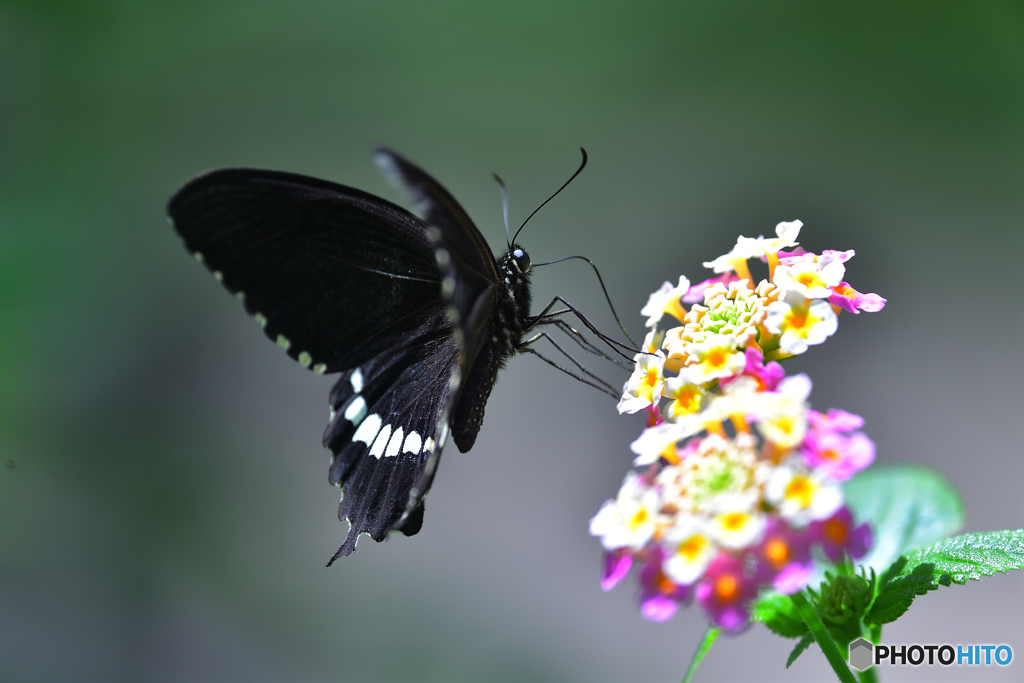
[862,654]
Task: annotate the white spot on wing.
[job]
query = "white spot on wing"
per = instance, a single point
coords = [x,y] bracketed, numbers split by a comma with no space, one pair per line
[433,234]
[261,319]
[377,449]
[356,411]
[367,430]
[240,295]
[448,287]
[442,257]
[219,275]
[199,256]
[283,342]
[319,368]
[305,359]
[356,380]
[428,446]
[395,444]
[443,437]
[413,443]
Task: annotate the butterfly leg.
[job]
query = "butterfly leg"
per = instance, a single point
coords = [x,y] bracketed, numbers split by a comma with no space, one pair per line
[547,314]
[589,379]
[582,341]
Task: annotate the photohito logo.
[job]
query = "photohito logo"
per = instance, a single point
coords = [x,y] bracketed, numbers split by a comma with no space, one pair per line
[863,654]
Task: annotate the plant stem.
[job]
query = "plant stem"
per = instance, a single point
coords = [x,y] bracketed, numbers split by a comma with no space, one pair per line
[821,636]
[710,636]
[874,634]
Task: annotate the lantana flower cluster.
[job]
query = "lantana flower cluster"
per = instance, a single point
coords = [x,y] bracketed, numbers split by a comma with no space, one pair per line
[739,481]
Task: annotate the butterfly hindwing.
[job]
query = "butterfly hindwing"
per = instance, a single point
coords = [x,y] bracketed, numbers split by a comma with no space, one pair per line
[386,425]
[334,275]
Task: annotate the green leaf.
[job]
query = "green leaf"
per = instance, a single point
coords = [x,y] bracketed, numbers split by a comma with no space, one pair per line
[777,612]
[804,643]
[954,560]
[908,506]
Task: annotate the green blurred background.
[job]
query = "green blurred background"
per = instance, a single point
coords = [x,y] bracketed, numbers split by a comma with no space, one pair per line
[164,506]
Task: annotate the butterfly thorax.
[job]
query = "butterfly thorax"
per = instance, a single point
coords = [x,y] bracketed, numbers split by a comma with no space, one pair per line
[512,307]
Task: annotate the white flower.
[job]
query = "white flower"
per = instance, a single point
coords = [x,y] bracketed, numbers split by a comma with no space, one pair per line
[645,386]
[814,279]
[749,247]
[714,358]
[653,340]
[746,247]
[686,398]
[801,322]
[802,496]
[782,414]
[660,441]
[737,399]
[630,520]
[688,550]
[736,522]
[786,234]
[666,300]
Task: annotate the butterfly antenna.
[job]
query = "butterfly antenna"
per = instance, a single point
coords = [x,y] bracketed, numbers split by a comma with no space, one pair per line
[582,164]
[504,205]
[603,289]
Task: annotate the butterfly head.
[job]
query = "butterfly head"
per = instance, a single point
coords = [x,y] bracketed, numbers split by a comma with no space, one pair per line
[521,260]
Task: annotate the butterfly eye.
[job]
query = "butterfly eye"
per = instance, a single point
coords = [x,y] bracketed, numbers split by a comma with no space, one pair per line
[522,260]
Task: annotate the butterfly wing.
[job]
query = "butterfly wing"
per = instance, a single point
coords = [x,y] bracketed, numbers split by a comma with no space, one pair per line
[334,275]
[387,424]
[345,281]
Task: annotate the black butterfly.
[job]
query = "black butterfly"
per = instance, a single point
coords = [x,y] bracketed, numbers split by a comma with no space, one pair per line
[417,314]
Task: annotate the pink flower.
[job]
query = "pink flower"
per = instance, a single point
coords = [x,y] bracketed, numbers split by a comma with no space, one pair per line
[841,256]
[726,591]
[796,255]
[850,300]
[837,535]
[767,376]
[659,596]
[617,564]
[834,421]
[784,557]
[837,455]
[696,293]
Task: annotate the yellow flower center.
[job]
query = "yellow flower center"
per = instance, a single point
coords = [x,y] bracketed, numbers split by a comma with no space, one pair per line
[802,489]
[717,358]
[808,279]
[734,521]
[639,517]
[647,384]
[692,547]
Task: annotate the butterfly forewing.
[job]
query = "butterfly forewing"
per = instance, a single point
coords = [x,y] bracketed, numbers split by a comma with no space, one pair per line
[333,274]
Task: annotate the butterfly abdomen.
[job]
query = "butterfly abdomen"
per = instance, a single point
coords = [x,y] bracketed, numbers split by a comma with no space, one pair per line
[511,313]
